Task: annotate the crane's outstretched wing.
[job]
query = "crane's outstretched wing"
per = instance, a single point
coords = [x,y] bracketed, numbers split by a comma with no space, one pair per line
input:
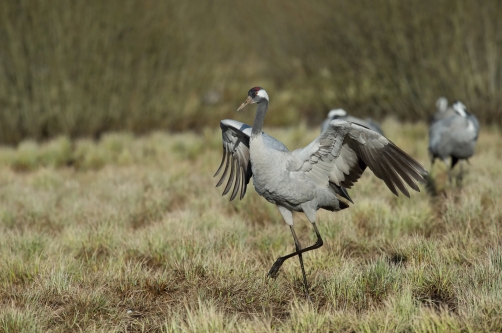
[235,137]
[368,123]
[343,151]
[374,126]
[236,159]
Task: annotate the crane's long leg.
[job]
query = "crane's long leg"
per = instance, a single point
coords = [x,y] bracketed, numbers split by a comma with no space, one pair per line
[288,218]
[298,248]
[454,161]
[460,176]
[278,263]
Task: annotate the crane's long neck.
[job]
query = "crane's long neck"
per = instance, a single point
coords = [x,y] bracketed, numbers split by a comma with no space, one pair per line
[261,111]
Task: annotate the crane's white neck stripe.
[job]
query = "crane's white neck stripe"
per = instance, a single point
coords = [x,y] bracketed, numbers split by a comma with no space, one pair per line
[263,94]
[442,104]
[460,109]
[337,113]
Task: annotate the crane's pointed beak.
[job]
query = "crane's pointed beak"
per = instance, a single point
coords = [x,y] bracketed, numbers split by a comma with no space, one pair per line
[248,100]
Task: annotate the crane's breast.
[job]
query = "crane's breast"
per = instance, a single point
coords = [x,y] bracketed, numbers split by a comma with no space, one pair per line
[271,178]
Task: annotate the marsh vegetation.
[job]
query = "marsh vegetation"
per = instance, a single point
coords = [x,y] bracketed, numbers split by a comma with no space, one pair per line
[82,68]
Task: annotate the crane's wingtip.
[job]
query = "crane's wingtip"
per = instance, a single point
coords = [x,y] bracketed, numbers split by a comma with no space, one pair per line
[220,182]
[424,177]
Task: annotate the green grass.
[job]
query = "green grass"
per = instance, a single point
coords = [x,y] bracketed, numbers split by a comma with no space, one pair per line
[129,234]
[83,68]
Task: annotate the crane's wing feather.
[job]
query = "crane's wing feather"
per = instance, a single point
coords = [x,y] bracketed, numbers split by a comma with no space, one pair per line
[236,158]
[235,136]
[343,151]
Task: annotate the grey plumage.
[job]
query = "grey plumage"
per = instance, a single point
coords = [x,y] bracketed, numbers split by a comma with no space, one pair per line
[236,155]
[443,111]
[454,136]
[310,178]
[342,115]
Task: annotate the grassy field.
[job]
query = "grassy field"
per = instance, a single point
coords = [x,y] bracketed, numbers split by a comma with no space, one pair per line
[129,234]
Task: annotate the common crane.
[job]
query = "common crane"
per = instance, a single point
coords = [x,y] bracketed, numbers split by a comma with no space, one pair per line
[310,178]
[454,137]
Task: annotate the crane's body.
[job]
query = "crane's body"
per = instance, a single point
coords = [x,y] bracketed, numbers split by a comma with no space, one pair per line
[454,137]
[285,184]
[310,178]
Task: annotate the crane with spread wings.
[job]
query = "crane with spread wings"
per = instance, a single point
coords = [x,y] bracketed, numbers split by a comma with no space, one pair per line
[310,178]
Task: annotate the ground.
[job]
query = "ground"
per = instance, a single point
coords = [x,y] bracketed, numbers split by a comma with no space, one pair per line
[129,234]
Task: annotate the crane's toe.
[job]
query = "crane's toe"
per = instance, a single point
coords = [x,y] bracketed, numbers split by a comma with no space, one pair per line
[275,268]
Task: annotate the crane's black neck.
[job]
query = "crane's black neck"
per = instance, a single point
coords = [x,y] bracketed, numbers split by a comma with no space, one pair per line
[261,111]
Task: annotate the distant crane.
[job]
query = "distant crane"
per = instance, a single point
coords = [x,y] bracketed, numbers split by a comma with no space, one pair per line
[454,137]
[341,114]
[313,177]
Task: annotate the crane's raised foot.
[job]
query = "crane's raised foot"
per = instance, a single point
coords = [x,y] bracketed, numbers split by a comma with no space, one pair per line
[278,263]
[275,268]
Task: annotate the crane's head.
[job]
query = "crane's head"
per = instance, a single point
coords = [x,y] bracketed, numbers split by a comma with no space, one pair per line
[255,95]
[442,104]
[460,109]
[337,113]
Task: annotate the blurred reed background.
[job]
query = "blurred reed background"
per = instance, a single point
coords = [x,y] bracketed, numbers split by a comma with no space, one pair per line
[80,68]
